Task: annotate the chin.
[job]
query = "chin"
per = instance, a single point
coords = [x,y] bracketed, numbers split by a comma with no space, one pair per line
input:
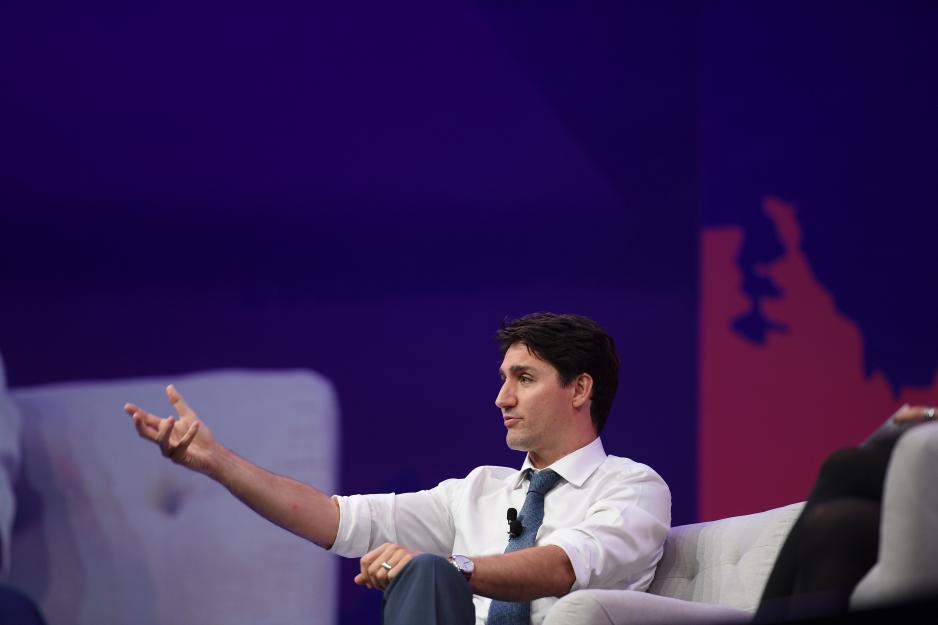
[514,443]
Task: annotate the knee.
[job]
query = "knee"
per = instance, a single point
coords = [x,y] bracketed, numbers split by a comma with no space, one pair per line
[428,562]
[825,520]
[428,590]
[842,463]
[841,523]
[852,472]
[424,568]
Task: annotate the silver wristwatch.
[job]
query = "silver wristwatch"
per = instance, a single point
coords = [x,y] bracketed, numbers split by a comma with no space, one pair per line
[463,564]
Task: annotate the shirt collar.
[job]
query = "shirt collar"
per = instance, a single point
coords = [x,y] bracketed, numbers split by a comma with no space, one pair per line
[575,467]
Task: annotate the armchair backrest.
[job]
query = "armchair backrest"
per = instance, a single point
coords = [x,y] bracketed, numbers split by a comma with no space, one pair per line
[109,531]
[724,562]
[907,566]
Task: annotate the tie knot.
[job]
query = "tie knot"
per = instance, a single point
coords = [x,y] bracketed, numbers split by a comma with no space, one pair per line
[542,481]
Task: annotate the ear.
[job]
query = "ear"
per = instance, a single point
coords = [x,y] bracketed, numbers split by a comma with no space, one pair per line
[582,389]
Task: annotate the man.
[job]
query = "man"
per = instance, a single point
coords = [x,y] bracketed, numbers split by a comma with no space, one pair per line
[584,519]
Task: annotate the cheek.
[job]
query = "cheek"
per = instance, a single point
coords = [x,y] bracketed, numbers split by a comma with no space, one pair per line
[552,405]
[542,406]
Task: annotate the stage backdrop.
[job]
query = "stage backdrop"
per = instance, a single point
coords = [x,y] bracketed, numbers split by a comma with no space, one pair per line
[367,191]
[819,272]
[363,190]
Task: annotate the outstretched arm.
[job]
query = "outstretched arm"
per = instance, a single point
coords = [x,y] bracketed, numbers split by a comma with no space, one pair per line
[292,505]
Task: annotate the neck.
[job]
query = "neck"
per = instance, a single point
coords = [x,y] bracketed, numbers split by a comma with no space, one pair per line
[541,459]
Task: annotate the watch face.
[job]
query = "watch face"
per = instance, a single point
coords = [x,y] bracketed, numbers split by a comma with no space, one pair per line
[464,564]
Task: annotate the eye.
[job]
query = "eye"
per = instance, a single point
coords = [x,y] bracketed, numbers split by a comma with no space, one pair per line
[526,379]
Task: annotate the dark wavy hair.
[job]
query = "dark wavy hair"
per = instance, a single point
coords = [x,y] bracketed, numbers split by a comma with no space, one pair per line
[573,344]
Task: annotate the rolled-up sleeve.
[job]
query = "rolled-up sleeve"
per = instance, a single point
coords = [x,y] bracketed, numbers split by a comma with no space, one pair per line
[621,539]
[421,521]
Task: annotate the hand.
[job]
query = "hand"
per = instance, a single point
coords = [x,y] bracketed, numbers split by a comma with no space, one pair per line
[913,414]
[374,575]
[186,440]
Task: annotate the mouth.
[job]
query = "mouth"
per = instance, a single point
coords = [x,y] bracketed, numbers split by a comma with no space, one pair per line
[510,421]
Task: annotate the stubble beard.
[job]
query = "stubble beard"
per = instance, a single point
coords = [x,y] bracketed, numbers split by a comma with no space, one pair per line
[517,441]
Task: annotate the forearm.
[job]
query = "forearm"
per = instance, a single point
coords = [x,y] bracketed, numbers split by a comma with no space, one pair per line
[523,575]
[292,505]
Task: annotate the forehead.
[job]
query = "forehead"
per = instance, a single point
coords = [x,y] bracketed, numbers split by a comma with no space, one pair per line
[518,355]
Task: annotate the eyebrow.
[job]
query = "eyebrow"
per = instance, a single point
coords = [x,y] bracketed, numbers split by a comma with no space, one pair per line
[518,369]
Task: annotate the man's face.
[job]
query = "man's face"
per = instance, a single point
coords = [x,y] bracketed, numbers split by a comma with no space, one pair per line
[536,409]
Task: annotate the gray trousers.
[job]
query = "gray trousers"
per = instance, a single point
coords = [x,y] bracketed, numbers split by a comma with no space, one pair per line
[429,591]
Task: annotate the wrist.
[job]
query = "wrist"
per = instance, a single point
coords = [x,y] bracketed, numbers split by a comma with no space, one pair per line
[219,464]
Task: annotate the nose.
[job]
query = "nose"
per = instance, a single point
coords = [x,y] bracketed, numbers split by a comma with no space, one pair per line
[506,396]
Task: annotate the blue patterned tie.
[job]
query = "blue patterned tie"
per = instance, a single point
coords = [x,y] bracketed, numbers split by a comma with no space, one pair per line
[531,517]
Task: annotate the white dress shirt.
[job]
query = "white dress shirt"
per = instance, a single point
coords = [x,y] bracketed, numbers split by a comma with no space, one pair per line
[609,514]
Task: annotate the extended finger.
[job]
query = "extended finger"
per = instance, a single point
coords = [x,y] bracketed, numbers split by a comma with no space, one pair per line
[175,398]
[149,419]
[189,435]
[143,429]
[163,434]
[179,449]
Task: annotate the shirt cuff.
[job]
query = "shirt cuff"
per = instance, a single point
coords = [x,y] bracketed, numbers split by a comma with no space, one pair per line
[571,541]
[357,515]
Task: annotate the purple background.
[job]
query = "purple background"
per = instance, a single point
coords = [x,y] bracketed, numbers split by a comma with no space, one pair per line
[365,191]
[368,190]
